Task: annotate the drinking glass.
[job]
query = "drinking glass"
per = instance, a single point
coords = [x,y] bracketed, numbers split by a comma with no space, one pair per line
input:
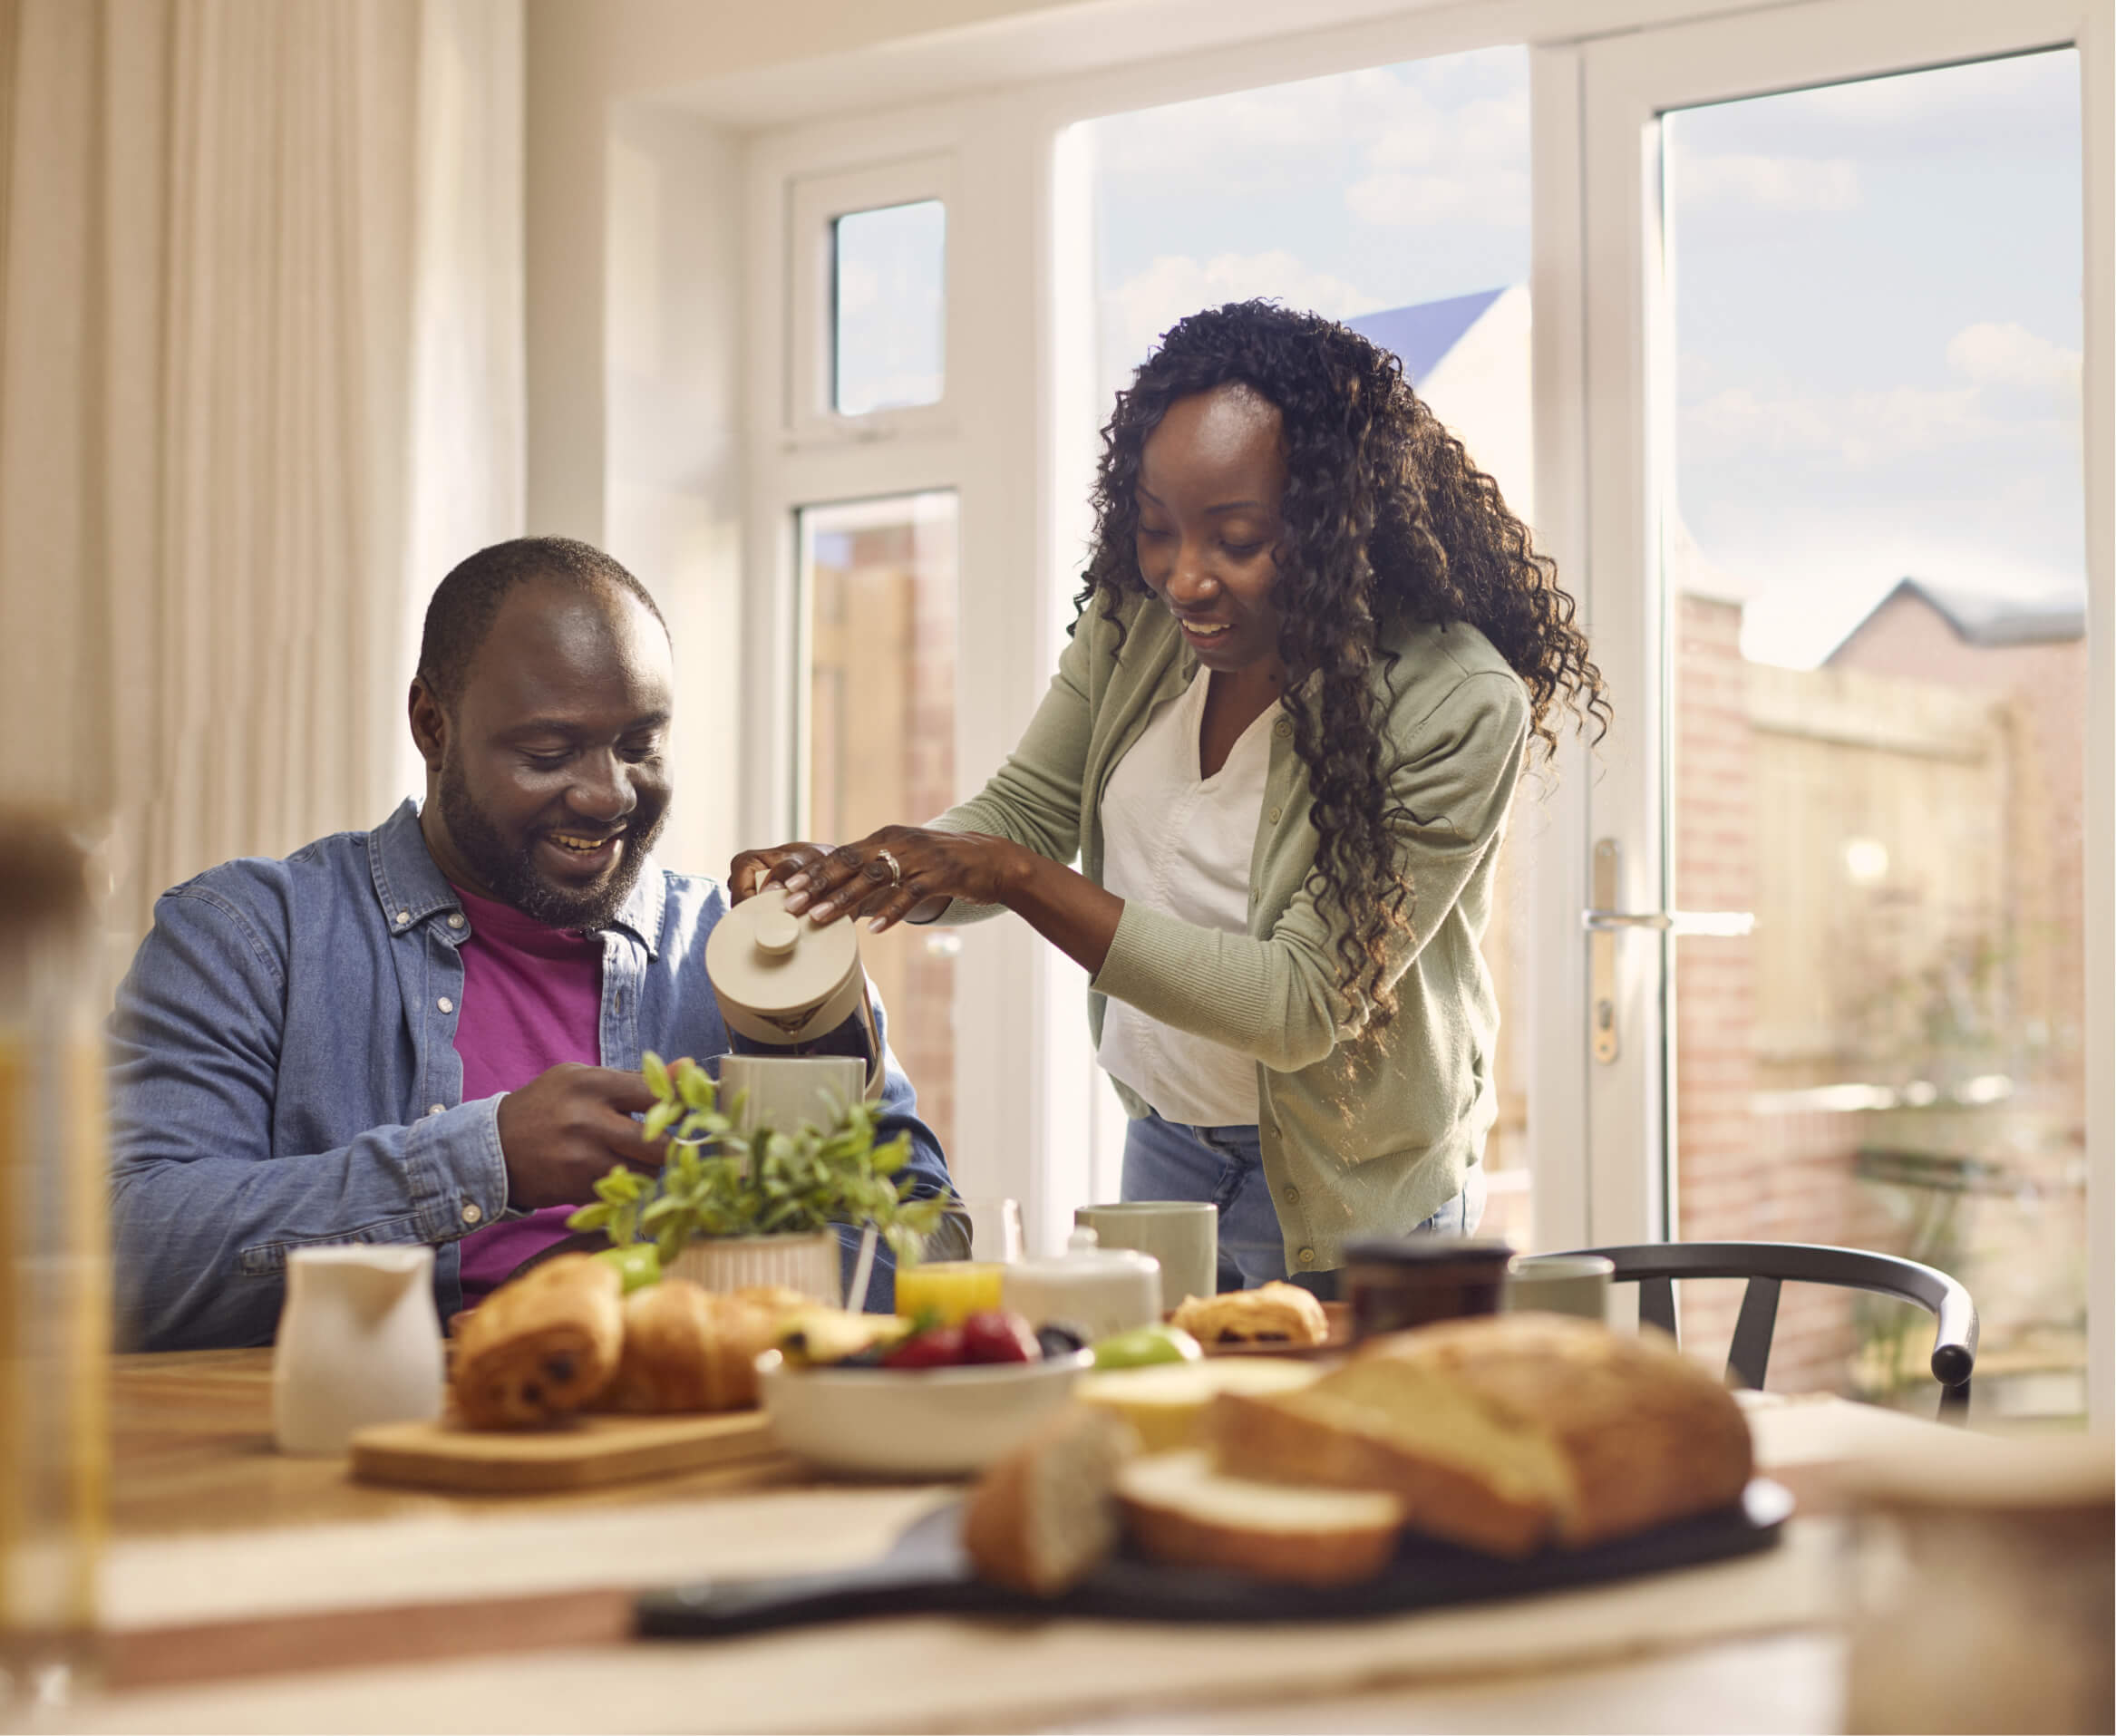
[949,1290]
[53,1271]
[994,1226]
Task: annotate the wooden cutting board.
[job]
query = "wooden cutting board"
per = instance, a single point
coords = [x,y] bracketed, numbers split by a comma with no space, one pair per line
[589,1451]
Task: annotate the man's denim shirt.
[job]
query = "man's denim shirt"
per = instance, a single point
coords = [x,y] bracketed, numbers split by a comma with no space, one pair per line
[285,1073]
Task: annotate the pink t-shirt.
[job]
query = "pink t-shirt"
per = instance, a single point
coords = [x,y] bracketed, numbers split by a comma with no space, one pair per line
[532,997]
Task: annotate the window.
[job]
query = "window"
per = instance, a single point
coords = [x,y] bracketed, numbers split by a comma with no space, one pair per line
[888,308]
[868,336]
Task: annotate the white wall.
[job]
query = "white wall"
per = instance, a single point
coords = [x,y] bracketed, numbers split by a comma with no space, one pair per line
[587,60]
[671,492]
[636,272]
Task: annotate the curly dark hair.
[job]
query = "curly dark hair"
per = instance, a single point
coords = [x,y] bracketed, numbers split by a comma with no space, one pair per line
[1386,518]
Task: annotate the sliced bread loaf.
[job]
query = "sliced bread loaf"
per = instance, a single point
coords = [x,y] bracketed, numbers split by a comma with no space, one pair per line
[1167,1402]
[1505,1432]
[1182,1511]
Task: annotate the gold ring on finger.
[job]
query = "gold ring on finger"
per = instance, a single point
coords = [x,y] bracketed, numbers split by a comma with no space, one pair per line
[896,871]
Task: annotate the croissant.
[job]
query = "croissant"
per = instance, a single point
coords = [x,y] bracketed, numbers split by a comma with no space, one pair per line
[687,1348]
[541,1346]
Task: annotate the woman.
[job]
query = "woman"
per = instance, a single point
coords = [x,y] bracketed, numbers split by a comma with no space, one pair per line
[1311,650]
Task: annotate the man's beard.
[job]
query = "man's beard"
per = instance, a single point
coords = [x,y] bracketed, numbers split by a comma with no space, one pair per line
[511,873]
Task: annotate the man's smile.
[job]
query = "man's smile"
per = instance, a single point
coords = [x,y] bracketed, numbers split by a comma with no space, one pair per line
[575,854]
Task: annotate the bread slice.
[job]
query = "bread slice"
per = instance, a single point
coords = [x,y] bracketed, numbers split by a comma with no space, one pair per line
[1179,1510]
[1167,1401]
[1505,1432]
[1044,1516]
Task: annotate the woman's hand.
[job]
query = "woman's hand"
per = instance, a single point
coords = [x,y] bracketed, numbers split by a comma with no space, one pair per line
[899,872]
[752,870]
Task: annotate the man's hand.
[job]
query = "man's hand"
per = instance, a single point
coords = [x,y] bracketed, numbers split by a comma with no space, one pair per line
[562,1131]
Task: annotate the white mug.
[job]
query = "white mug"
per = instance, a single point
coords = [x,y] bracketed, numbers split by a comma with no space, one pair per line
[1559,1284]
[782,1092]
[1183,1234]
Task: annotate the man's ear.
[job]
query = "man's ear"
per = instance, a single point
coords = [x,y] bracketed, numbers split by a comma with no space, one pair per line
[430,722]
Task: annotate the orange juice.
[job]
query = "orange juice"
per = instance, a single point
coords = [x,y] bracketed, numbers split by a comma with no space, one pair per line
[953,1289]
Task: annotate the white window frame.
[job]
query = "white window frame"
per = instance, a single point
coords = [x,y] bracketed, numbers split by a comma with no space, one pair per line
[1020,390]
[815,204]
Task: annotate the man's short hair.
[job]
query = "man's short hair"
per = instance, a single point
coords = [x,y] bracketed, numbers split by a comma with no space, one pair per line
[463,604]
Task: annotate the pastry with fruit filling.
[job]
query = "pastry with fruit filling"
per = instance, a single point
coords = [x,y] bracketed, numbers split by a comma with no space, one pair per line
[1274,1313]
[542,1346]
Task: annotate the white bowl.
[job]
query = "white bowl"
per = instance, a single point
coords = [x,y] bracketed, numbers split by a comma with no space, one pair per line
[912,1423]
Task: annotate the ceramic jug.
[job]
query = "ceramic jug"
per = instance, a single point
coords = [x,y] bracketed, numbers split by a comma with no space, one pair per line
[359,1344]
[784,981]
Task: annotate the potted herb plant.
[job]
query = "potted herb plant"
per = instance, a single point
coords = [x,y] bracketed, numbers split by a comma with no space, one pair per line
[734,1208]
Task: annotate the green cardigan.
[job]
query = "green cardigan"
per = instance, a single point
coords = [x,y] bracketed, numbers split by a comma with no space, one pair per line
[1363,1133]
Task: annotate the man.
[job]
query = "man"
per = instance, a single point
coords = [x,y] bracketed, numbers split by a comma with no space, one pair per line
[430,1033]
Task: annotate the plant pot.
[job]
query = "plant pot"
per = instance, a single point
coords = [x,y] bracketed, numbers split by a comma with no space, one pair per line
[806,1263]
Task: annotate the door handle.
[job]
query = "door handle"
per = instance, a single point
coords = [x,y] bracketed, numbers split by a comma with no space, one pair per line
[1723,925]
[1604,923]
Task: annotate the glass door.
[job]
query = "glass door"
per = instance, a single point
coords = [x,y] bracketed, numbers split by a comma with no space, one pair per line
[1836,992]
[876,727]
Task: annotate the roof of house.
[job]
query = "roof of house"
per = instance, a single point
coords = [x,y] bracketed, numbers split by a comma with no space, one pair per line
[1988,619]
[1421,335]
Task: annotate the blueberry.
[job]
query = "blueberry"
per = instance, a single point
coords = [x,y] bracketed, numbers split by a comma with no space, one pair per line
[1060,1340]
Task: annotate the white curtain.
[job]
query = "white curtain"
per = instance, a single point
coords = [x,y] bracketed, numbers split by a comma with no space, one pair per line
[260,386]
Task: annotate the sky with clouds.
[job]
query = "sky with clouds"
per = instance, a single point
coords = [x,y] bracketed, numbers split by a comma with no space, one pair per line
[1877,309]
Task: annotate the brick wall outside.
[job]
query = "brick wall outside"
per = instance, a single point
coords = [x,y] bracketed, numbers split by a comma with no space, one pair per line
[1739,1177]
[1986,855]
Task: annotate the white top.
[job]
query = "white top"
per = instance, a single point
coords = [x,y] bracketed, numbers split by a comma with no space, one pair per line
[1181,844]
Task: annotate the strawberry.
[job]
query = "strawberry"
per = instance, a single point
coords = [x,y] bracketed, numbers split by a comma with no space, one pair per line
[939,1347]
[994,1335]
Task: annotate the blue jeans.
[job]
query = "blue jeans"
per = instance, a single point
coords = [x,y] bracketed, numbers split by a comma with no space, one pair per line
[1167,1161]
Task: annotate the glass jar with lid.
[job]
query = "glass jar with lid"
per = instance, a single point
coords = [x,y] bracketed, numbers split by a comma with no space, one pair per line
[54,1295]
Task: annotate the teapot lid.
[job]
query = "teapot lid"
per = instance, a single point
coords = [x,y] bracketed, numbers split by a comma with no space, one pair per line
[1084,1254]
[764,960]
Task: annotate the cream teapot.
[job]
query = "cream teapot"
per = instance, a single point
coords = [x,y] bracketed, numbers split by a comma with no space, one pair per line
[787,982]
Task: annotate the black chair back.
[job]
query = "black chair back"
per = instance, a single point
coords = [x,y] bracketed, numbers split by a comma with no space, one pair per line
[1655,1267]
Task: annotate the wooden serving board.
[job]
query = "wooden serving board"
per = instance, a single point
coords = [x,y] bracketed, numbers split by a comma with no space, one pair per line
[588,1450]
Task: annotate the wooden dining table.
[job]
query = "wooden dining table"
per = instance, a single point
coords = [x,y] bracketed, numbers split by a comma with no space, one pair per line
[246,1589]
